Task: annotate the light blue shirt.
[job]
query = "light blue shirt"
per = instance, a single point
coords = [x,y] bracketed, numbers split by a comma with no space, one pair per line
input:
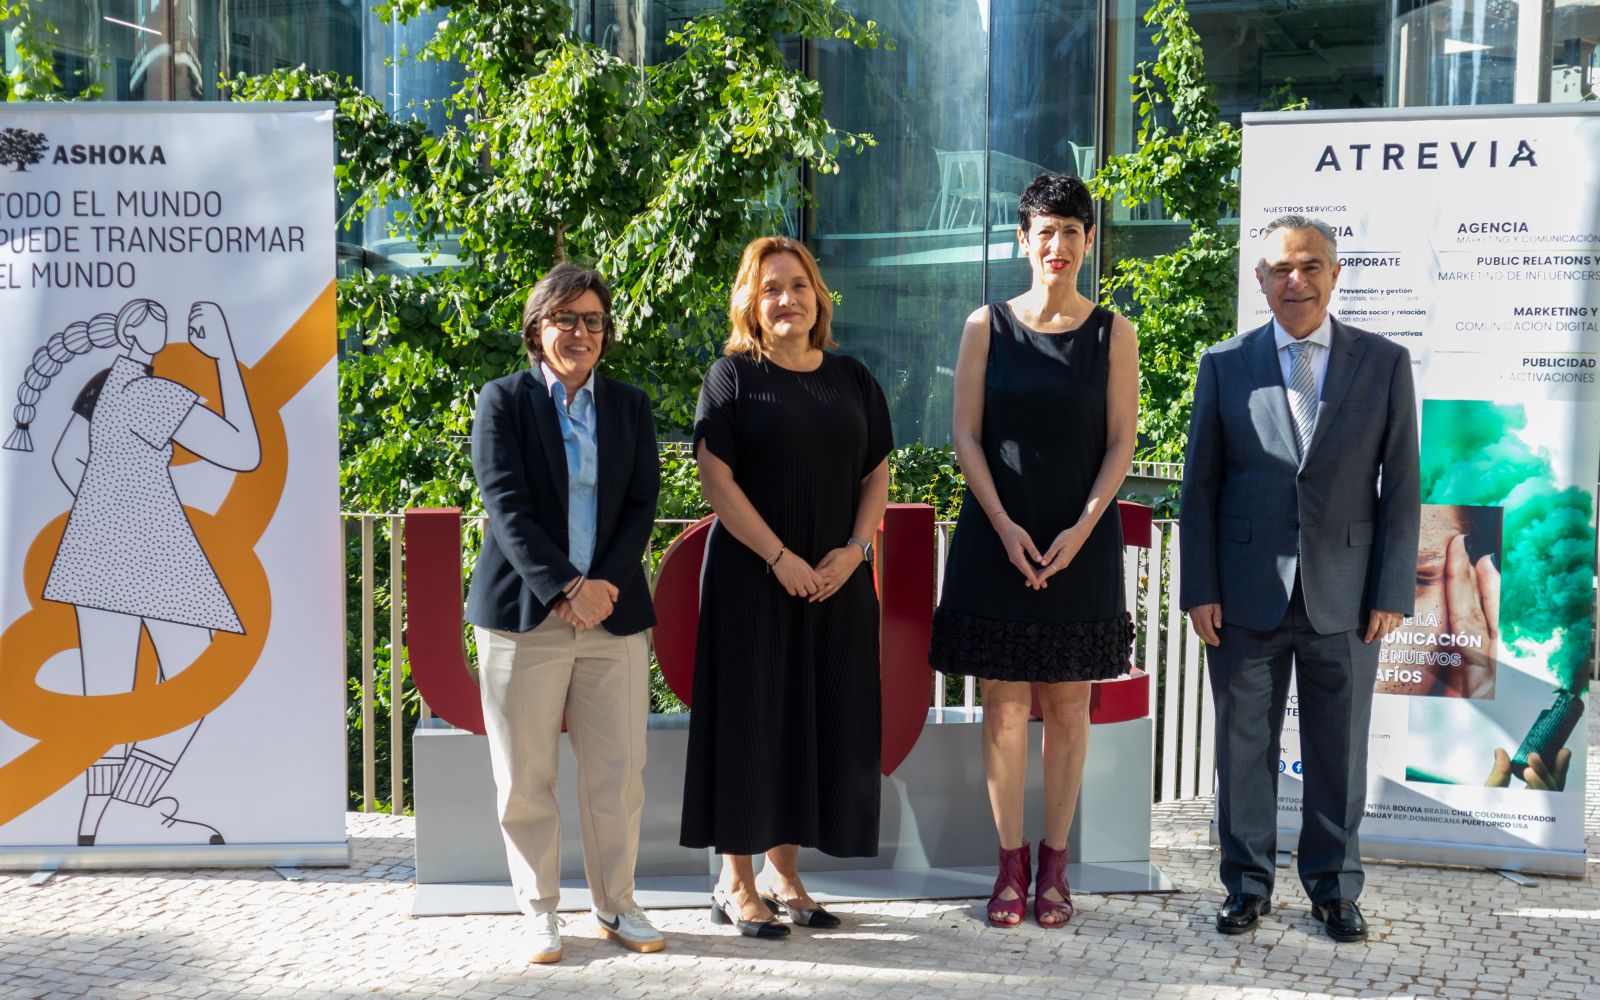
[580,434]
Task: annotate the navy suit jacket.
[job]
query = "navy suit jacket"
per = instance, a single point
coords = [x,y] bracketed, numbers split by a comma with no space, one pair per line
[1251,505]
[521,467]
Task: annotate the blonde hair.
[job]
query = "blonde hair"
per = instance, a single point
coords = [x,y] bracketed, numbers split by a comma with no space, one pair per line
[744,316]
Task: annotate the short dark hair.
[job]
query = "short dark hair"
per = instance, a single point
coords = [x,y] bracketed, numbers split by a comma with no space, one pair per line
[564,282]
[1062,195]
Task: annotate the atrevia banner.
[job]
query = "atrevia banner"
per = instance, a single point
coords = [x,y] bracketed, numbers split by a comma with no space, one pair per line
[171,636]
[1473,239]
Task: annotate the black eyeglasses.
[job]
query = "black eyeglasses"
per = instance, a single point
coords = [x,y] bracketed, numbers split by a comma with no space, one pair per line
[566,320]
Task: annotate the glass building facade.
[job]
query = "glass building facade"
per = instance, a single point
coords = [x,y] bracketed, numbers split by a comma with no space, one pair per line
[977,97]
[179,50]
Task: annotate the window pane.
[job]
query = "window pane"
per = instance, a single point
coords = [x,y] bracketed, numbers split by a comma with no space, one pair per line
[636,30]
[899,232]
[178,50]
[1493,52]
[1041,118]
[1141,230]
[1330,53]
[1574,69]
[1260,55]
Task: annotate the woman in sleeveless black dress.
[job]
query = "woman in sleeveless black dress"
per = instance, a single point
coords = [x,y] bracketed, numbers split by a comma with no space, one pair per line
[1046,413]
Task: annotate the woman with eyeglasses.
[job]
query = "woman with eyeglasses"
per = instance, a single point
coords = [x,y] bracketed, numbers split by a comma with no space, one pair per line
[566,464]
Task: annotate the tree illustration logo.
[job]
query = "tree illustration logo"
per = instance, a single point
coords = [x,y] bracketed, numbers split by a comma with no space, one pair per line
[24,148]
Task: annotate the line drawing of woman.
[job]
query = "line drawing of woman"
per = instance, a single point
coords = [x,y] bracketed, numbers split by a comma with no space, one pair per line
[129,560]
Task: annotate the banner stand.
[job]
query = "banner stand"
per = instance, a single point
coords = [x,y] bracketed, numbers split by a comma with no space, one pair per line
[1471,236]
[1440,852]
[335,855]
[172,642]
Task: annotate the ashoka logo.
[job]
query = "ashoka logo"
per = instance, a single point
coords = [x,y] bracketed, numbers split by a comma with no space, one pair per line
[109,154]
[21,147]
[24,149]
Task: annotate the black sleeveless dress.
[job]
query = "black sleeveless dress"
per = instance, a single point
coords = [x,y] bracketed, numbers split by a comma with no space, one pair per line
[1044,437]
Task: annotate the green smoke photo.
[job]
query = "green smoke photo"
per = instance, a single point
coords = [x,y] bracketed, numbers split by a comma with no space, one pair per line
[1472,455]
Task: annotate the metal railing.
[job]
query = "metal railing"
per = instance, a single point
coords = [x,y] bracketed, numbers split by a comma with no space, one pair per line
[1165,647]
[394,526]
[391,527]
[969,687]
[1180,697]
[1157,470]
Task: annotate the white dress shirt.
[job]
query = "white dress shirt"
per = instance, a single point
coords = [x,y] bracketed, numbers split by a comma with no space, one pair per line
[1318,344]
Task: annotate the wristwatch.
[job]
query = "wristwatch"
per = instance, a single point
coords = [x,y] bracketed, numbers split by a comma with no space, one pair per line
[866,547]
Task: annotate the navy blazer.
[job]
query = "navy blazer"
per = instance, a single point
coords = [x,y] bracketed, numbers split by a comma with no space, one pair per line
[521,467]
[1252,508]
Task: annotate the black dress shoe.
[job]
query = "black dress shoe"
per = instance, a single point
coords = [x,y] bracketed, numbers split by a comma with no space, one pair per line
[1342,918]
[725,911]
[1241,912]
[799,916]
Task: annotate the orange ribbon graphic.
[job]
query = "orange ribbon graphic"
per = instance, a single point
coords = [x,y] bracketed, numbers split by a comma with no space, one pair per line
[73,731]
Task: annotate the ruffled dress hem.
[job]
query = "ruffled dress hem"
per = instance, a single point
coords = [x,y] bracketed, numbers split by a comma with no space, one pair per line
[1036,652]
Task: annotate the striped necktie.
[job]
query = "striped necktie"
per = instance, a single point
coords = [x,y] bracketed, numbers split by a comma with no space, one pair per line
[1302,395]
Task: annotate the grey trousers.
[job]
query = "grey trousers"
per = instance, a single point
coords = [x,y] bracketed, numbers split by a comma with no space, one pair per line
[601,683]
[1334,675]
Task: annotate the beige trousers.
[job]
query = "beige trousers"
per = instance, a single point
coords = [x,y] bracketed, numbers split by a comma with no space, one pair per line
[602,684]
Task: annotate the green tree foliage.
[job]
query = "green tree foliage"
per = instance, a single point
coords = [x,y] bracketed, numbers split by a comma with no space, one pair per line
[558,150]
[34,78]
[1186,160]
[920,473]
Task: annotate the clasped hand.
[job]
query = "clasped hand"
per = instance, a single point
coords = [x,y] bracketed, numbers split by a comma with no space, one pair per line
[797,576]
[592,606]
[1024,555]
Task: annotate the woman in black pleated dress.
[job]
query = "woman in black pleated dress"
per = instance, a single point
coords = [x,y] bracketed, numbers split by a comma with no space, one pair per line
[785,732]
[1046,414]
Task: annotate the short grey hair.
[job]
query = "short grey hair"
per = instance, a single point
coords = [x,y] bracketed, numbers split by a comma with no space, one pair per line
[1301,223]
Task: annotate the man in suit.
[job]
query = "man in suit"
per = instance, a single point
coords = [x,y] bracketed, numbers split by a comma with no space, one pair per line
[1300,514]
[566,463]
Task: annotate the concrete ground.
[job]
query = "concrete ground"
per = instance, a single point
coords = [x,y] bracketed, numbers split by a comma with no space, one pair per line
[344,933]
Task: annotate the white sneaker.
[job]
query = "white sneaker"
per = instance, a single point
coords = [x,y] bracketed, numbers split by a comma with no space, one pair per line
[632,930]
[544,938]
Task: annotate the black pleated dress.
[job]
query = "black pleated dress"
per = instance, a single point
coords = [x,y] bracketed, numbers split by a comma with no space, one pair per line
[785,729]
[1044,437]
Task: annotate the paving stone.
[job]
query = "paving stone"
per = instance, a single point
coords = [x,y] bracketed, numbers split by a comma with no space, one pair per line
[343,934]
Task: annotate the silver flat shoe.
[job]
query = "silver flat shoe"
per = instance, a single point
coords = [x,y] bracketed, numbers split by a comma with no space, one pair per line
[799,916]
[726,911]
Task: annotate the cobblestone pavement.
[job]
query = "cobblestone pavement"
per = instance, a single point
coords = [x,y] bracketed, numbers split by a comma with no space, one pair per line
[344,933]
